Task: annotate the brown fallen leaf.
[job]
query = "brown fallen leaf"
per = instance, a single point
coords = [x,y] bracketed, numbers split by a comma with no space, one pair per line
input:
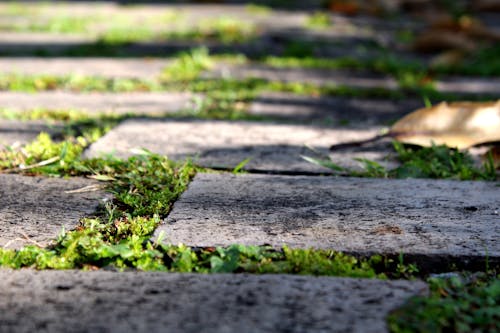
[448,33]
[459,125]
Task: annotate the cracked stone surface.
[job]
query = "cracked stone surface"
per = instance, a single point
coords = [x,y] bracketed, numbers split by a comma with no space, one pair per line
[17,133]
[137,102]
[33,210]
[415,216]
[101,301]
[104,67]
[331,110]
[222,144]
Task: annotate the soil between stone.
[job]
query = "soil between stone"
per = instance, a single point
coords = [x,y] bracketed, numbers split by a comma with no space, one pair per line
[101,301]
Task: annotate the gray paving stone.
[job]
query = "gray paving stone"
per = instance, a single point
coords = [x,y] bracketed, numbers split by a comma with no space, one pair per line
[306,75]
[223,144]
[33,210]
[417,217]
[20,42]
[139,103]
[75,301]
[469,85]
[104,67]
[331,110]
[16,133]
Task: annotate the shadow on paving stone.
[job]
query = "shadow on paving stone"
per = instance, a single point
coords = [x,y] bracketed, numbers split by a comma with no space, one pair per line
[352,112]
[34,210]
[417,217]
[339,77]
[17,133]
[76,301]
[222,144]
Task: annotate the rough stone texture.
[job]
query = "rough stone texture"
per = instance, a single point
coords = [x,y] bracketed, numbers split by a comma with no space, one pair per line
[416,217]
[33,210]
[222,144]
[75,301]
[15,133]
[331,110]
[139,103]
[104,67]
[307,75]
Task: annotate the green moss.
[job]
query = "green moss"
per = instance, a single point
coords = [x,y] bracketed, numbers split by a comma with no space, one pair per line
[188,65]
[318,20]
[463,303]
[439,162]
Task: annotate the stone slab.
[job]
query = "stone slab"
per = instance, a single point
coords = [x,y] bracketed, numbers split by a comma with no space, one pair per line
[121,103]
[331,110]
[101,301]
[415,217]
[469,85]
[222,144]
[103,67]
[17,133]
[34,210]
[306,75]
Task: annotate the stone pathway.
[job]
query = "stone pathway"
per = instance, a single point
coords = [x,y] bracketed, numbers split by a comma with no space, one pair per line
[145,68]
[331,111]
[282,199]
[157,103]
[421,218]
[73,301]
[224,144]
[35,210]
[18,133]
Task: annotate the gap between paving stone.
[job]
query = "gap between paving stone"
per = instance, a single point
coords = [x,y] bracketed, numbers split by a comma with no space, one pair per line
[34,210]
[151,103]
[417,217]
[223,144]
[17,133]
[145,68]
[76,301]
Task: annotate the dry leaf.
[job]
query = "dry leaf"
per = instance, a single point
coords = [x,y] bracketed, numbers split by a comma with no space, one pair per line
[344,7]
[443,40]
[448,58]
[448,33]
[459,124]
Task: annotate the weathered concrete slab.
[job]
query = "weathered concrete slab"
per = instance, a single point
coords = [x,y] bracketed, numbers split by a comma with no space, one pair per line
[15,133]
[223,144]
[34,210]
[145,68]
[138,103]
[415,217]
[331,110]
[306,75]
[75,301]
